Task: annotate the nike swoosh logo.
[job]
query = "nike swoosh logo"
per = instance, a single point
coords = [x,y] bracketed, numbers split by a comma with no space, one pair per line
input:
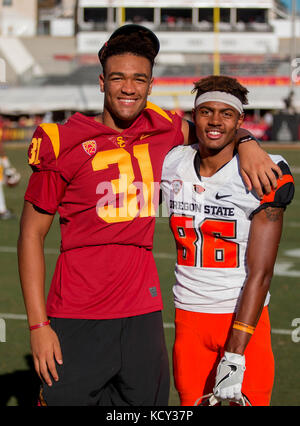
[233,370]
[219,197]
[144,137]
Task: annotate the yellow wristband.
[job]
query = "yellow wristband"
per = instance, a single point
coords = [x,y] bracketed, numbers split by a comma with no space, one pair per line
[243,327]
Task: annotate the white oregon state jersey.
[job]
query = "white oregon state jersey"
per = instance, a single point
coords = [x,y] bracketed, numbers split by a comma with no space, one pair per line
[210,218]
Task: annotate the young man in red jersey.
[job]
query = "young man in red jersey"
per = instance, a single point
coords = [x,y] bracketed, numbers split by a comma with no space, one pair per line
[105,343]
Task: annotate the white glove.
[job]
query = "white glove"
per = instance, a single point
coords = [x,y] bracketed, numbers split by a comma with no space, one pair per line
[4,161]
[229,378]
[11,176]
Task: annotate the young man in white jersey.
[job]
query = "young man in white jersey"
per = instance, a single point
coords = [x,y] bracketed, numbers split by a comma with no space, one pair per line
[227,240]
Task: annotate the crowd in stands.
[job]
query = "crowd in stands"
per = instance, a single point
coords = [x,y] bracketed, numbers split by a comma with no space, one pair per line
[14,128]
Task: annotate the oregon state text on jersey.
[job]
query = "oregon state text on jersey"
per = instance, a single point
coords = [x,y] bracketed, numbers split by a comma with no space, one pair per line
[210,218]
[105,187]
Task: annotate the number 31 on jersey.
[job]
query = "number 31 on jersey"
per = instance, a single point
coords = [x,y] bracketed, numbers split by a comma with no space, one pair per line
[137,198]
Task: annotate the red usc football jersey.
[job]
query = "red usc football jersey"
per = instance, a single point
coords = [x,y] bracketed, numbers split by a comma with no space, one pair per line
[105,187]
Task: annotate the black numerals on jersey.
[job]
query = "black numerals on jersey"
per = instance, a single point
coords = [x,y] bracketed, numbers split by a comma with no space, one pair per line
[212,239]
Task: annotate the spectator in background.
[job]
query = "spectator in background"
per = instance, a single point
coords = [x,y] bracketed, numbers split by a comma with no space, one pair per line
[4,213]
[8,176]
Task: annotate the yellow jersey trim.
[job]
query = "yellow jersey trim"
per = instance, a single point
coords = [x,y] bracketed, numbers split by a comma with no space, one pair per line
[51,129]
[159,111]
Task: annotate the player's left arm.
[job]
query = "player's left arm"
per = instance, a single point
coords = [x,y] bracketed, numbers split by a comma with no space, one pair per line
[264,238]
[263,243]
[258,171]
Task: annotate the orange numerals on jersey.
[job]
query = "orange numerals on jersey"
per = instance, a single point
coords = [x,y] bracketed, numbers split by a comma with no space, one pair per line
[213,241]
[137,197]
[35,151]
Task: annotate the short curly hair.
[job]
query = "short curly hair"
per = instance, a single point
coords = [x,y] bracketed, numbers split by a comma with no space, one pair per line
[138,44]
[221,83]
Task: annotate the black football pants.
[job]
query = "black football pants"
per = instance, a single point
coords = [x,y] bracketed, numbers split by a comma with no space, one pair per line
[119,362]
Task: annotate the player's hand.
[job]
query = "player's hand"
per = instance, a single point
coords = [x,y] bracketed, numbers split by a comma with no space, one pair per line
[229,378]
[258,171]
[46,350]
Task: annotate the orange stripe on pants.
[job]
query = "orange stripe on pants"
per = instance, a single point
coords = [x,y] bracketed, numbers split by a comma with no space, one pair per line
[199,346]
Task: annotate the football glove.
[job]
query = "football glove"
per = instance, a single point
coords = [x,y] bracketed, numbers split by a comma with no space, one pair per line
[229,378]
[210,401]
[11,176]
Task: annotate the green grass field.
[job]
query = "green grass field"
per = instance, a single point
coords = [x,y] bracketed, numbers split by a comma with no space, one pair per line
[18,382]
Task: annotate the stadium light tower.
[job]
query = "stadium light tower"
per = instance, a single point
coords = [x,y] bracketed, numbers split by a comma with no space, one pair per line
[123,18]
[293,43]
[217,38]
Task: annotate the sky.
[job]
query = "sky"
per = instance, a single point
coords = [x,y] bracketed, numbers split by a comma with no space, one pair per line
[289,2]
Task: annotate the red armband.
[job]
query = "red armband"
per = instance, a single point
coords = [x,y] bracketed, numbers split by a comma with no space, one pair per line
[41,324]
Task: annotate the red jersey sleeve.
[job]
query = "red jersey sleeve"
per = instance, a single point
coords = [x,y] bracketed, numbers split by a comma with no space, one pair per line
[177,122]
[44,148]
[45,190]
[46,185]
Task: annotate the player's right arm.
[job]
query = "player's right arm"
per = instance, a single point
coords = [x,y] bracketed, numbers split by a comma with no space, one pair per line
[43,195]
[34,227]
